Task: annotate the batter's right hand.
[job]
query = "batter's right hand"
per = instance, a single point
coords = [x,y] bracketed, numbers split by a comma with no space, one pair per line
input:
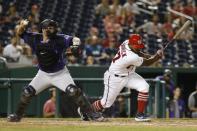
[160,53]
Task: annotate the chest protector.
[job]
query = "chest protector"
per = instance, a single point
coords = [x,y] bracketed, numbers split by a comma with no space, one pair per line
[46,54]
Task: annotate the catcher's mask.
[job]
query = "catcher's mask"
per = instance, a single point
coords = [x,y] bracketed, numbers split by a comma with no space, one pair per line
[47,23]
[135,40]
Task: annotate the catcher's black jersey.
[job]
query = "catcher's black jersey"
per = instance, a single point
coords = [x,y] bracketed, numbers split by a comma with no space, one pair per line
[49,54]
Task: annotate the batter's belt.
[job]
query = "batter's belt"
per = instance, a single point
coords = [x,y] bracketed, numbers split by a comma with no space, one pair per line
[116,75]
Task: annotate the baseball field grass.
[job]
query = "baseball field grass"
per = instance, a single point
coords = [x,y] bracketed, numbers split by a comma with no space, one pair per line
[113,124]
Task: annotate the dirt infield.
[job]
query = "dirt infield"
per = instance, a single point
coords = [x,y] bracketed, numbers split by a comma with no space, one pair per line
[28,122]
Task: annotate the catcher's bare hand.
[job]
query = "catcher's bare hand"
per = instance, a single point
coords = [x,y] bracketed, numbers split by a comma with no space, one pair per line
[24,23]
[22,26]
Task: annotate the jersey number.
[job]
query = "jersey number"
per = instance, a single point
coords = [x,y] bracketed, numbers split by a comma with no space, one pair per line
[116,57]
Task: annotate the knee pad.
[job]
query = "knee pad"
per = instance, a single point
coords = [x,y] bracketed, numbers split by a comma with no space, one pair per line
[73,90]
[29,91]
[79,97]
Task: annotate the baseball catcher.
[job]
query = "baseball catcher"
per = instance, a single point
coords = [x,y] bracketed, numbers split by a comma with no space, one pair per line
[49,47]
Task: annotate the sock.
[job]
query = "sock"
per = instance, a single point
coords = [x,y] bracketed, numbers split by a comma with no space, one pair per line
[96,106]
[142,101]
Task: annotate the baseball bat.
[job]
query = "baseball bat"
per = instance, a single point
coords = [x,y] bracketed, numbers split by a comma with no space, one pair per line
[185,26]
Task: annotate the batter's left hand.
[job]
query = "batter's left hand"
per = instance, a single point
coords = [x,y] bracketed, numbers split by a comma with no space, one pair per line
[160,53]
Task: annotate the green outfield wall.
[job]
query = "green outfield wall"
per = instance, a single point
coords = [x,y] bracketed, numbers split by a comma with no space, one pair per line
[184,77]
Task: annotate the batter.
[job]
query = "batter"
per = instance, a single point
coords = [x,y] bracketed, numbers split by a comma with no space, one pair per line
[121,73]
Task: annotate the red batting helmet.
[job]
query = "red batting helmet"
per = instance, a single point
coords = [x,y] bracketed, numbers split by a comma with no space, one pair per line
[135,40]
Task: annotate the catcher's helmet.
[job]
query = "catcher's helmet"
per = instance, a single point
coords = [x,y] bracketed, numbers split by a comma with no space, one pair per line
[135,40]
[48,22]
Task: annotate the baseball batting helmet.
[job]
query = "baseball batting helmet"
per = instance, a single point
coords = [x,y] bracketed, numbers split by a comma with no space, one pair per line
[135,40]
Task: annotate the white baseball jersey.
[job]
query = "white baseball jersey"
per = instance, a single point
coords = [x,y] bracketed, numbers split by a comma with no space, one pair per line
[125,61]
[122,74]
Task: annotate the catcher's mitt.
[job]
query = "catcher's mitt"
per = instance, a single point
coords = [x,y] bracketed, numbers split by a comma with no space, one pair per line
[76,51]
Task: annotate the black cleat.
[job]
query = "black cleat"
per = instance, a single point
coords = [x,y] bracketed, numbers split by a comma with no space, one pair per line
[83,116]
[96,116]
[13,118]
[141,117]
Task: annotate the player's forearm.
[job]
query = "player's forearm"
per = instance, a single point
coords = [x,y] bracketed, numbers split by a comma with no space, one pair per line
[158,55]
[145,55]
[21,27]
[20,30]
[151,60]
